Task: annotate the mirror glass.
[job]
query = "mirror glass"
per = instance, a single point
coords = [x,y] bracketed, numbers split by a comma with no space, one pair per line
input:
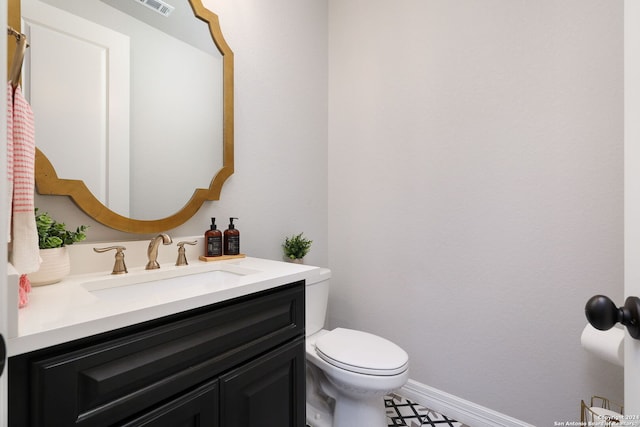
[134,107]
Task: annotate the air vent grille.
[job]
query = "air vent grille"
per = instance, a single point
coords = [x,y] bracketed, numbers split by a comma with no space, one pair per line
[159,6]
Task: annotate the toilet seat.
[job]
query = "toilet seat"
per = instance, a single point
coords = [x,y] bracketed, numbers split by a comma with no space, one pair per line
[361,352]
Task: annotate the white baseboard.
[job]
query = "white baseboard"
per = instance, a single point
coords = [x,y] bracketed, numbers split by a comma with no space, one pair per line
[459,409]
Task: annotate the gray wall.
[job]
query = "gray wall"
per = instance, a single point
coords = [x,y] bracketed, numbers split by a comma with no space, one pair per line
[475,191]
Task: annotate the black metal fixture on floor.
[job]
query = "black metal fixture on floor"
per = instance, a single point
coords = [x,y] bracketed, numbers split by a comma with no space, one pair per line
[602,314]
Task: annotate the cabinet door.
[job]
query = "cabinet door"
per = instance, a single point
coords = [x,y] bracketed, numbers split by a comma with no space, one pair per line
[198,408]
[267,392]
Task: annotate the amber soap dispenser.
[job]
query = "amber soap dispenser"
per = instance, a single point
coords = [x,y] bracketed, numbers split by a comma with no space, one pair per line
[213,240]
[231,239]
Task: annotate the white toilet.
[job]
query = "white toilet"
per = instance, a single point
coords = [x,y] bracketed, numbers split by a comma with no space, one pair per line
[348,372]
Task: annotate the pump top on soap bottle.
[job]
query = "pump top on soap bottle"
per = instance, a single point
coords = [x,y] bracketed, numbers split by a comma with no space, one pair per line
[231,239]
[213,240]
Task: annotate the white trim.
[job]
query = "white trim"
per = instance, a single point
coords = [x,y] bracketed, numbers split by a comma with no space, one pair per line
[631,195]
[454,407]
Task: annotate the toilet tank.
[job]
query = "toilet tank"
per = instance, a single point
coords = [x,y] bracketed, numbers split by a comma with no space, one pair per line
[316,298]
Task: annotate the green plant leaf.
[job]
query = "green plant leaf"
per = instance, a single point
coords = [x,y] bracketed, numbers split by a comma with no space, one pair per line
[297,246]
[52,234]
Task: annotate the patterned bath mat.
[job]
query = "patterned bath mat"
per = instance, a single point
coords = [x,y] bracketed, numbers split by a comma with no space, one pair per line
[403,412]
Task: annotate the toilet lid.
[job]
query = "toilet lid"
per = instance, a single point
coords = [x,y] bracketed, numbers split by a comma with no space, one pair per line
[361,352]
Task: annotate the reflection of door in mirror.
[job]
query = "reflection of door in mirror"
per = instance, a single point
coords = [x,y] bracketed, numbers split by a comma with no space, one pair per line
[83,119]
[145,101]
[131,177]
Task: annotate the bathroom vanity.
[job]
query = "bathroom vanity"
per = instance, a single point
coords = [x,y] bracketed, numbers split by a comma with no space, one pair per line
[231,354]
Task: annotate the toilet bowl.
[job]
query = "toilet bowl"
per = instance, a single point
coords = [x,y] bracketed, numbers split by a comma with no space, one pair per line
[348,372]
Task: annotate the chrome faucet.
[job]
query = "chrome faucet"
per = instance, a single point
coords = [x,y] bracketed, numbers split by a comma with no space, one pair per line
[152,251]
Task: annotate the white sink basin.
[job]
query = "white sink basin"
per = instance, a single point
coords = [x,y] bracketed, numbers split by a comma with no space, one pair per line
[169,284]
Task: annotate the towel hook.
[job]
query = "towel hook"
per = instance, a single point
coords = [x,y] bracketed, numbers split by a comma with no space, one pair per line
[18,56]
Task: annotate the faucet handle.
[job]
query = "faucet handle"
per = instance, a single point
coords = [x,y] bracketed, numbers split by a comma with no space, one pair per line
[182,257]
[119,267]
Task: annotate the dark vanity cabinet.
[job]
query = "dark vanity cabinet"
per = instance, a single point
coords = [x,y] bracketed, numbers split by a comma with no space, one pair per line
[238,363]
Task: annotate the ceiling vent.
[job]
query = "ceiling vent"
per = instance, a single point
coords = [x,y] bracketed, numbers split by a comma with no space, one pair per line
[159,6]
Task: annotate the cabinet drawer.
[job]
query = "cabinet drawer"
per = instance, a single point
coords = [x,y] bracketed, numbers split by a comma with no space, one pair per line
[114,378]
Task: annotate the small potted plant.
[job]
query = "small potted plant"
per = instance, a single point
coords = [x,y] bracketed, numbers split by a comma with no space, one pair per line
[296,247]
[53,238]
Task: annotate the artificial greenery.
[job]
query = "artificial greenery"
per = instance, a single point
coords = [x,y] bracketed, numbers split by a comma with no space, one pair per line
[296,247]
[52,234]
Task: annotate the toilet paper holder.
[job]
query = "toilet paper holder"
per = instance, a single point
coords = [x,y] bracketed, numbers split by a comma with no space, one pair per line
[602,314]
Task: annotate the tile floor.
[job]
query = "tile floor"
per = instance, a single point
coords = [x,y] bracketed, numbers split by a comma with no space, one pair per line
[405,413]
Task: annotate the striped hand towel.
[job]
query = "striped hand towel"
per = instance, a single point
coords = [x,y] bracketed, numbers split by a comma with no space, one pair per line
[25,255]
[9,158]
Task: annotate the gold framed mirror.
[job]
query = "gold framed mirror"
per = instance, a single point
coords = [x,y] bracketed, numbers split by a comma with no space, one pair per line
[50,182]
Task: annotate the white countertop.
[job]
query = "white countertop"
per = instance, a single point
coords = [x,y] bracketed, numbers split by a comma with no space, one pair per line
[71,309]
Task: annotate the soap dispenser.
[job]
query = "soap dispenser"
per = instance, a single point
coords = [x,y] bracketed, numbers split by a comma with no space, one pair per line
[213,240]
[231,239]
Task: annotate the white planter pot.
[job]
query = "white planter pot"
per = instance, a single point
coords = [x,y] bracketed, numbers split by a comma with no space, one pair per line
[54,267]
